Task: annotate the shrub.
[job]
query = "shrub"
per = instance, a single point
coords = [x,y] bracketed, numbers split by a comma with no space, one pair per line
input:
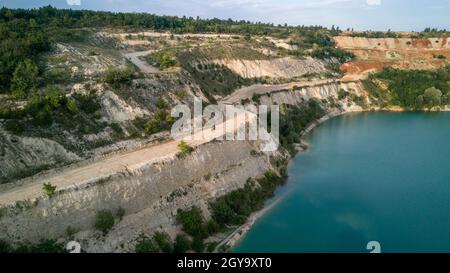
[43,118]
[104,221]
[146,245]
[162,239]
[44,246]
[342,94]
[72,106]
[49,189]
[117,77]
[192,222]
[184,148]
[53,97]
[197,245]
[120,213]
[14,126]
[163,59]
[182,244]
[24,79]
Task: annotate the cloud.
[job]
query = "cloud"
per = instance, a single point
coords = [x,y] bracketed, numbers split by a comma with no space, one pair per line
[73,2]
[374,2]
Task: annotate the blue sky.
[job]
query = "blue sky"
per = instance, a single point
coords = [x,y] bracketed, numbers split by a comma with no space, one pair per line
[397,15]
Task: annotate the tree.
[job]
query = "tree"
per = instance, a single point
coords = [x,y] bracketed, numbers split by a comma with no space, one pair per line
[49,189]
[24,79]
[182,244]
[104,221]
[419,101]
[446,99]
[433,96]
[117,77]
[162,239]
[53,97]
[146,245]
[193,222]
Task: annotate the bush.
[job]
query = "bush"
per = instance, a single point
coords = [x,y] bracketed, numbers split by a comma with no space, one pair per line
[184,148]
[331,52]
[197,245]
[342,94]
[117,77]
[120,213]
[49,189]
[193,222]
[43,118]
[162,59]
[72,106]
[162,239]
[24,80]
[146,245]
[44,246]
[14,126]
[104,221]
[182,244]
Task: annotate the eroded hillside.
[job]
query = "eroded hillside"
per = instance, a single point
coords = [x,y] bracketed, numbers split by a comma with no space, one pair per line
[84,125]
[373,54]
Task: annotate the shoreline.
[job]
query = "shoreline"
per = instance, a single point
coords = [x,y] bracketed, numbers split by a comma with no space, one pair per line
[233,239]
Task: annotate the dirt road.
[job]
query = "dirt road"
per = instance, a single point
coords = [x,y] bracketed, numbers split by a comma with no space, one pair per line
[260,89]
[134,57]
[103,168]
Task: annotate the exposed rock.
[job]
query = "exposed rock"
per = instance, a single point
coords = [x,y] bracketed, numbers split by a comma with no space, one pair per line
[276,68]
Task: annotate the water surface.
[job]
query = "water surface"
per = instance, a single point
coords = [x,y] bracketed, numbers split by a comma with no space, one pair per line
[367,177]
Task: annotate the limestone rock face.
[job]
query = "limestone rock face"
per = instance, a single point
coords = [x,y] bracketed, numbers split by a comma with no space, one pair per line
[276,68]
[20,155]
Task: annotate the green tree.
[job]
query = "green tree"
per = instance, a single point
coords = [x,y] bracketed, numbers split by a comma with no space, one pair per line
[116,77]
[104,221]
[53,96]
[49,189]
[433,96]
[162,239]
[182,244]
[193,222]
[24,80]
[146,245]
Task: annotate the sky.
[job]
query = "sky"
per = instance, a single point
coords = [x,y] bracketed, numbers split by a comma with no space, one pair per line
[397,15]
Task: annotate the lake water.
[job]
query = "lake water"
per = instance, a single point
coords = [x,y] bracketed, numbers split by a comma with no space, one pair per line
[367,177]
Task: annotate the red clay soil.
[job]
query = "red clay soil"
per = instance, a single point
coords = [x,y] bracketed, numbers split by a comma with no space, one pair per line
[359,67]
[419,54]
[421,43]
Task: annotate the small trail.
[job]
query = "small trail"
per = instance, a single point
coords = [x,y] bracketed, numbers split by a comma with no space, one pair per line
[134,57]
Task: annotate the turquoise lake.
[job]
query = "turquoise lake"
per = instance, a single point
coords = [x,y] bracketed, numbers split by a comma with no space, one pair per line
[366,177]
